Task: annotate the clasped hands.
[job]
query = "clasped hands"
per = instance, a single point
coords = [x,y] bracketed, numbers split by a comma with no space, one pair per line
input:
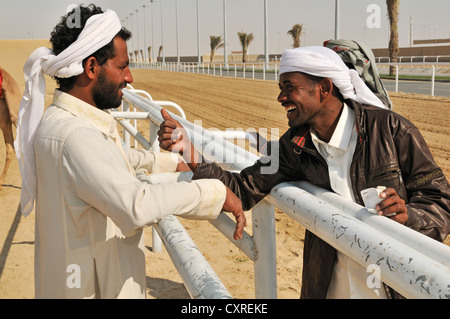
[173,137]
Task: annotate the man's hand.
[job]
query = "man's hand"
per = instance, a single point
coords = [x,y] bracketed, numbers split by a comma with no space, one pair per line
[173,137]
[234,205]
[392,206]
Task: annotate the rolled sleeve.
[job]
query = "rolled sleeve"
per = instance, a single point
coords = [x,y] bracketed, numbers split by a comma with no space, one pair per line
[212,194]
[152,162]
[96,172]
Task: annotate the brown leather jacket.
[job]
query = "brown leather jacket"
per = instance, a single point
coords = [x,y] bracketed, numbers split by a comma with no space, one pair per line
[390,152]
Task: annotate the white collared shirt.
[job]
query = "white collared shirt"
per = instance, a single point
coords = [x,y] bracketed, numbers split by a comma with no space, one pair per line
[349,278]
[91,209]
[338,152]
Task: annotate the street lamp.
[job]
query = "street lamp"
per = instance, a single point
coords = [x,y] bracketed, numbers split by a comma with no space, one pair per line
[162,35]
[137,34]
[336,21]
[225,34]
[266,35]
[198,35]
[153,34]
[132,42]
[145,35]
[126,23]
[176,14]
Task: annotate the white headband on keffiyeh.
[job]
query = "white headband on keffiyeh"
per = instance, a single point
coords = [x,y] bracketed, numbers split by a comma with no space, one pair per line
[99,30]
[324,62]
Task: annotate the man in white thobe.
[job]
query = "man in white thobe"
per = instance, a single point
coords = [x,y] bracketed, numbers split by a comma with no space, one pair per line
[90,207]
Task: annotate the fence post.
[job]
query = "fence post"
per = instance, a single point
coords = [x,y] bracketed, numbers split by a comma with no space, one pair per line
[156,239]
[396,78]
[126,135]
[198,276]
[263,219]
[432,80]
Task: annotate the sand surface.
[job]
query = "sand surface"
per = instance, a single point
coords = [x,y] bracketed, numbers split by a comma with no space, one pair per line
[220,103]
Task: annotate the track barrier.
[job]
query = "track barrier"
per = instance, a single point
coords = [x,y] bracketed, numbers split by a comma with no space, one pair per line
[411,263]
[427,71]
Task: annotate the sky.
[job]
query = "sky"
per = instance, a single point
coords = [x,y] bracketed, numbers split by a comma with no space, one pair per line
[361,20]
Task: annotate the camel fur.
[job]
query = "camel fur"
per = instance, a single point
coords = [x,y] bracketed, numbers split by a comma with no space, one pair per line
[9,109]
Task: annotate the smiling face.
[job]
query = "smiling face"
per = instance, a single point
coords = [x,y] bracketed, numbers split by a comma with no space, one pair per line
[300,97]
[114,76]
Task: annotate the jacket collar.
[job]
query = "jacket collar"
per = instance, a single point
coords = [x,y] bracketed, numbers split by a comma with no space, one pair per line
[342,134]
[302,141]
[360,117]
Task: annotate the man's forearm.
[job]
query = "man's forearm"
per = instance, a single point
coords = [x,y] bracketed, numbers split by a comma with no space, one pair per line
[191,156]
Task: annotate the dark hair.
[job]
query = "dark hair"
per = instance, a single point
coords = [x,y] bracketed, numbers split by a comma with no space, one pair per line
[63,35]
[314,80]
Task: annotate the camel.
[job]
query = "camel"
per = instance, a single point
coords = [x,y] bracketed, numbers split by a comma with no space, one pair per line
[10,97]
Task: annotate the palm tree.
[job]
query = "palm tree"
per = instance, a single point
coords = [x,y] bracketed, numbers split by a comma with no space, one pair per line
[245,39]
[160,53]
[215,43]
[149,49]
[393,11]
[296,32]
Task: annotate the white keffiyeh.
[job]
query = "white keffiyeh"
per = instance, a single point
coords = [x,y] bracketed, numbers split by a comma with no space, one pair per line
[324,62]
[99,30]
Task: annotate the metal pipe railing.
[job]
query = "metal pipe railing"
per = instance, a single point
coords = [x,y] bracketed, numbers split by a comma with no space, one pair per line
[213,147]
[199,278]
[263,68]
[414,265]
[417,241]
[261,247]
[407,270]
[223,223]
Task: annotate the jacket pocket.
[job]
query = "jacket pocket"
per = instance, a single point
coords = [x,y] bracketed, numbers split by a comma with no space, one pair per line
[389,176]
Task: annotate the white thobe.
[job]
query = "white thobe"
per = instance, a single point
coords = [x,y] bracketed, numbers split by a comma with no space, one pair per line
[91,209]
[349,278]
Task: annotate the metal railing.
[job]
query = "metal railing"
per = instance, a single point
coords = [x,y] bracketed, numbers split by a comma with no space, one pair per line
[413,264]
[259,70]
[416,58]
[404,66]
[263,71]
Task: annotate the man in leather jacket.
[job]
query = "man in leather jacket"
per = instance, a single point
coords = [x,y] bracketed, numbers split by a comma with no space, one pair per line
[343,145]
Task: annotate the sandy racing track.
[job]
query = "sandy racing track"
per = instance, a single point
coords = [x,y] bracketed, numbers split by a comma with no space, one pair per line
[220,103]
